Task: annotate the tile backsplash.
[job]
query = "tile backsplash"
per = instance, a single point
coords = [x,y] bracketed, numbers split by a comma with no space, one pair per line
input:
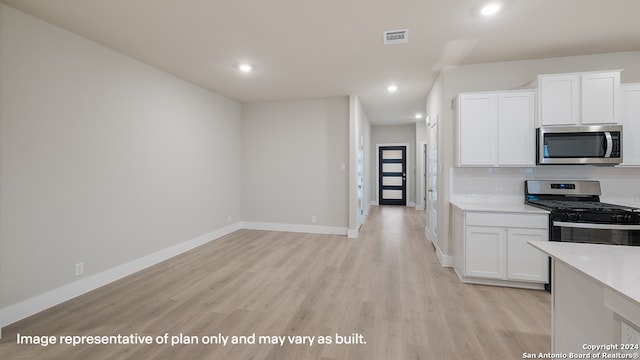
[620,185]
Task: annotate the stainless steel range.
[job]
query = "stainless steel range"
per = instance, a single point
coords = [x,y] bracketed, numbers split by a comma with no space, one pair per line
[577,215]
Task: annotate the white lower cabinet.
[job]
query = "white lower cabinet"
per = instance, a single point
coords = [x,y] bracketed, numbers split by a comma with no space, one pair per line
[491,248]
[486,252]
[524,262]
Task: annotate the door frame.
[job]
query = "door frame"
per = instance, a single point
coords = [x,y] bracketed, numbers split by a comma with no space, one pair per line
[409,169]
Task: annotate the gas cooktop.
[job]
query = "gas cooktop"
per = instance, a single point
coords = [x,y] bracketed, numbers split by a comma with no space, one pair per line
[577,201]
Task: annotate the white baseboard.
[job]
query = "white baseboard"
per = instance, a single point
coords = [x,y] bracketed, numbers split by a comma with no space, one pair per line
[34,305]
[310,229]
[354,233]
[368,209]
[445,260]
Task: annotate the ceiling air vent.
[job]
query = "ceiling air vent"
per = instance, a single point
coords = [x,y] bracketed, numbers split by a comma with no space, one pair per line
[396,36]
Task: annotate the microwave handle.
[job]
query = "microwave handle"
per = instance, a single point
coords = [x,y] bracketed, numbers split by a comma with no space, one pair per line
[609,148]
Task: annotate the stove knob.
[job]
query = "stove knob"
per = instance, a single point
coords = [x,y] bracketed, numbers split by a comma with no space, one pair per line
[627,218]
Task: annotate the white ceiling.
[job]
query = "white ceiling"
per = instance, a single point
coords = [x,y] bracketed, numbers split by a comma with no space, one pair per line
[309,49]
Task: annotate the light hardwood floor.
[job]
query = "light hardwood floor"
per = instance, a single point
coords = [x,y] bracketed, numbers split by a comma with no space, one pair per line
[386,285]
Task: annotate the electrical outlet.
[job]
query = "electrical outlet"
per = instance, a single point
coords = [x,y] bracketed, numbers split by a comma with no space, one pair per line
[630,336]
[314,219]
[79,268]
[229,218]
[636,197]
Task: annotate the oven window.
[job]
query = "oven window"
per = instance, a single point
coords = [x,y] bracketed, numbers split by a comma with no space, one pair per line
[596,236]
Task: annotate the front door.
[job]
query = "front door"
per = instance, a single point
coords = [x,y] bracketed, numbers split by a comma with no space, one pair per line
[393,175]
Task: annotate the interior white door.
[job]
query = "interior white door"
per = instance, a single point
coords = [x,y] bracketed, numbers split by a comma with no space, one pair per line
[360,175]
[432,181]
[423,177]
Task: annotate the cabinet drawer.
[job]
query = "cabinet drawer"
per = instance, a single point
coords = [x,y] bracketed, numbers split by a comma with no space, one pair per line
[537,221]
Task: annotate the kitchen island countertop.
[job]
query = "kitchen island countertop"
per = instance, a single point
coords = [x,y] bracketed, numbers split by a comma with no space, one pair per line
[595,288]
[614,266]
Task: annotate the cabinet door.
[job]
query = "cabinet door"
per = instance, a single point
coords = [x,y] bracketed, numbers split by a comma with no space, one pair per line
[477,129]
[524,262]
[601,98]
[516,129]
[630,113]
[485,252]
[559,99]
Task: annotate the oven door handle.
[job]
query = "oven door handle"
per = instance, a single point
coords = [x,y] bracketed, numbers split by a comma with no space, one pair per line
[596,226]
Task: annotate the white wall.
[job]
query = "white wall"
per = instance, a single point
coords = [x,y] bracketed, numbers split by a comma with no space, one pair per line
[511,75]
[103,159]
[395,134]
[293,153]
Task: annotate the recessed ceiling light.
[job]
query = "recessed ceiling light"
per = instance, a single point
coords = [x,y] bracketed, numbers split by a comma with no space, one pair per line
[245,68]
[491,9]
[418,116]
[392,88]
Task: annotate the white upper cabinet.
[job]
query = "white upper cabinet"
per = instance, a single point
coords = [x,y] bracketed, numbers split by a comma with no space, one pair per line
[559,99]
[630,113]
[579,98]
[601,98]
[516,131]
[477,129]
[496,128]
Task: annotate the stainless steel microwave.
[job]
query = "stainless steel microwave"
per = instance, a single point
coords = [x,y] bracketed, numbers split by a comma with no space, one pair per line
[567,145]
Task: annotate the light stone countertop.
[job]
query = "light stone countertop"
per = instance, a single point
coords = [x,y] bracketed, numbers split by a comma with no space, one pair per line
[614,266]
[498,207]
